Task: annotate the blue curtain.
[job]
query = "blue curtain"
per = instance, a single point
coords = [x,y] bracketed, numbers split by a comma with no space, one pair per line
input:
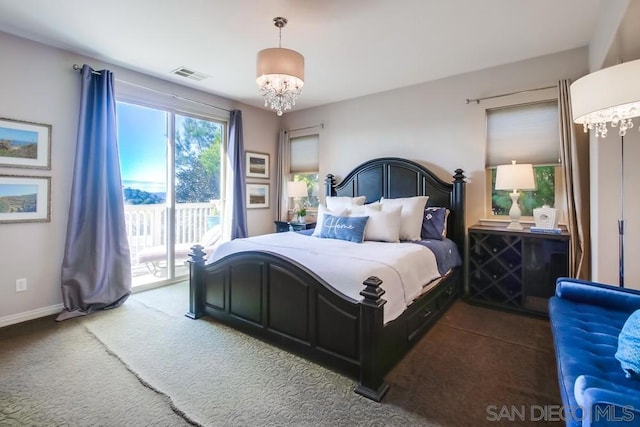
[96,270]
[236,159]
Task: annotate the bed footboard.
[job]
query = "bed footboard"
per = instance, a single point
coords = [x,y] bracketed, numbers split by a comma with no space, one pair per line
[284,303]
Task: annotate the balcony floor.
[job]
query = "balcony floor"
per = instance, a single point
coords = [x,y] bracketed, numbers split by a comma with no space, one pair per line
[142,278]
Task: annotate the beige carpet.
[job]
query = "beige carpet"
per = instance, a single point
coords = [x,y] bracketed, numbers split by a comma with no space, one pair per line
[146,364]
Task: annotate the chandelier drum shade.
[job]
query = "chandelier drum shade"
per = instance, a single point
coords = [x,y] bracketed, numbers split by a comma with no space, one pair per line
[279,74]
[610,95]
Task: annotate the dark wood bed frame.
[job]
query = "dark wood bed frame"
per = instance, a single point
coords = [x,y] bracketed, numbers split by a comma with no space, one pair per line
[284,303]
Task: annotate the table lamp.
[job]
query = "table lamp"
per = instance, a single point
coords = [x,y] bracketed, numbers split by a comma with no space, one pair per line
[515,177]
[297,190]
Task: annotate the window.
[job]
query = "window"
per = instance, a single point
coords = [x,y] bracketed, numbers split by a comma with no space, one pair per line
[304,167]
[171,182]
[527,133]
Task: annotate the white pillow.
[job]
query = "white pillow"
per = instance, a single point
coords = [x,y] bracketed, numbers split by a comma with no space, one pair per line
[336,203]
[411,215]
[321,211]
[383,224]
[361,210]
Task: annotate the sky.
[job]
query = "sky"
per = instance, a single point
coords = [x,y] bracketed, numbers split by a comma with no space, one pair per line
[18,136]
[142,145]
[17,189]
[142,142]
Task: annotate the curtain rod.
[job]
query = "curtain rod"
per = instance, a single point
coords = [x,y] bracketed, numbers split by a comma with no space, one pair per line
[76,67]
[321,125]
[477,100]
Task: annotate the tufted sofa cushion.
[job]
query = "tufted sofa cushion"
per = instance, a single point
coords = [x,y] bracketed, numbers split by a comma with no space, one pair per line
[586,319]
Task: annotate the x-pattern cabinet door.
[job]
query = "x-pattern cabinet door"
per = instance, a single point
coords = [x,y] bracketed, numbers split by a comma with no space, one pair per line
[514,269]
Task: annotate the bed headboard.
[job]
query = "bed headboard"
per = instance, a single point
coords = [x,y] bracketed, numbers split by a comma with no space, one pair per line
[392,177]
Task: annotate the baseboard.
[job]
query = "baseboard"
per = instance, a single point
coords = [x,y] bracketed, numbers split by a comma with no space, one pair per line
[30,315]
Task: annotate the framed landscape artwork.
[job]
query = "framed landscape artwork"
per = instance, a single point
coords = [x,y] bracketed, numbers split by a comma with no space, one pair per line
[257,196]
[257,165]
[25,198]
[25,144]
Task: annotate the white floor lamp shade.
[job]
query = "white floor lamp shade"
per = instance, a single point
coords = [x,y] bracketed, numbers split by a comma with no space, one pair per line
[609,96]
[515,177]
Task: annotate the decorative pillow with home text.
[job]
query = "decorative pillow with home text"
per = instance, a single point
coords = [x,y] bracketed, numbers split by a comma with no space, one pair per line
[322,210]
[349,228]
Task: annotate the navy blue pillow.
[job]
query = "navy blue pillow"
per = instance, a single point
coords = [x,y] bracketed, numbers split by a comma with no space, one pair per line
[434,223]
[350,228]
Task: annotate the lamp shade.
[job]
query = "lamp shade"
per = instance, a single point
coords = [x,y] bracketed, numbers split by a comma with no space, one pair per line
[296,189]
[279,61]
[608,95]
[515,177]
[279,74]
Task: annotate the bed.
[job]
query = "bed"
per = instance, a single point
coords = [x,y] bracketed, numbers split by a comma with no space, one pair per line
[283,302]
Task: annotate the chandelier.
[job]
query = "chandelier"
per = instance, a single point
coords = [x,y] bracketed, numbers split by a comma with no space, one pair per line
[280,74]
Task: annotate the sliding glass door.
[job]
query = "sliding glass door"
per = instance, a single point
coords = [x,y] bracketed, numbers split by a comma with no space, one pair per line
[198,176]
[172,181]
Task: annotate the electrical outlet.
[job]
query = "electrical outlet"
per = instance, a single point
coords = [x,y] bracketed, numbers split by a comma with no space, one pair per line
[21,285]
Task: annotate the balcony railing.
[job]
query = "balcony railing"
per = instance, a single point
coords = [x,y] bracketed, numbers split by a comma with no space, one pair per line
[146,224]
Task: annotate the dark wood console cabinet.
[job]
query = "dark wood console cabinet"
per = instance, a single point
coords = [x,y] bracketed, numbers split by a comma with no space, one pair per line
[515,270]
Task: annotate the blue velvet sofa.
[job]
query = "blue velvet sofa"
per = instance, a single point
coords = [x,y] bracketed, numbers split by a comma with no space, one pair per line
[586,319]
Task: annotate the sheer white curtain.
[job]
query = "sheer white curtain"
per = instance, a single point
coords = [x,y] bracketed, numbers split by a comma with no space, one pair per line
[284,169]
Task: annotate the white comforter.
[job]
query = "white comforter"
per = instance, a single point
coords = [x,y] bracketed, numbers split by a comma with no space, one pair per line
[404,268]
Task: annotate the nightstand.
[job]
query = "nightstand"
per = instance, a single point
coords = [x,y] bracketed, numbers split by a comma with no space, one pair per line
[282,226]
[515,270]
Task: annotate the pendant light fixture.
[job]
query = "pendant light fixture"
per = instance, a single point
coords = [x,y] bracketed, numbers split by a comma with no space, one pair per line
[280,74]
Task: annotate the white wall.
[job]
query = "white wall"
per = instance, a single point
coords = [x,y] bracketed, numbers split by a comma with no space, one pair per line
[610,15]
[37,84]
[606,189]
[430,123]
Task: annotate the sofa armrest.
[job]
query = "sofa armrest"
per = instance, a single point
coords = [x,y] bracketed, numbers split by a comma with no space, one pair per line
[610,408]
[600,294]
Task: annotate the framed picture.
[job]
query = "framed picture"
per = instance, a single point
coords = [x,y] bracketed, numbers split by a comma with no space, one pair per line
[257,165]
[25,198]
[257,196]
[25,144]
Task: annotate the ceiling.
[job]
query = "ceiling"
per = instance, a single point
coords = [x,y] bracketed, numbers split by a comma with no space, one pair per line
[351,47]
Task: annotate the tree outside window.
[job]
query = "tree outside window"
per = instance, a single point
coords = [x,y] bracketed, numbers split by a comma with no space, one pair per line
[313,187]
[198,151]
[544,194]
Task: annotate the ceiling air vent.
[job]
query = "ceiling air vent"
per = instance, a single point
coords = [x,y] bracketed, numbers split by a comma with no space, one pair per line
[190,74]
